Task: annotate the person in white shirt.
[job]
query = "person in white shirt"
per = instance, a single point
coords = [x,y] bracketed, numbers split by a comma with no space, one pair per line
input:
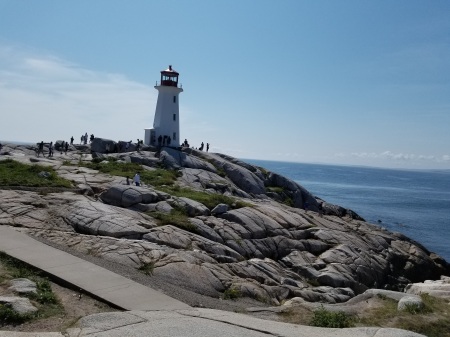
[137,179]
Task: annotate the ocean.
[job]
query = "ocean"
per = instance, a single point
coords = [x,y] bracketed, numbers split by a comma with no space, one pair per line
[414,203]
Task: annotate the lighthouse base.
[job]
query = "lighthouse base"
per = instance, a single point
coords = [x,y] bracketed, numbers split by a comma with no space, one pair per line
[150,137]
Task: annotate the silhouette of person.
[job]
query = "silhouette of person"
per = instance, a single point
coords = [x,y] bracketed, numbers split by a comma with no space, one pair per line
[66,147]
[71,140]
[41,148]
[207,147]
[50,149]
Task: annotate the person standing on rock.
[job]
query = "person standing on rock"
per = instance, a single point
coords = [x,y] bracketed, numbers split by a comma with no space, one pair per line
[50,149]
[66,147]
[207,147]
[137,179]
[71,140]
[41,148]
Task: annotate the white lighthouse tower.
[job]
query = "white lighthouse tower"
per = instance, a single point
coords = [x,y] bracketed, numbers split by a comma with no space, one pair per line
[166,125]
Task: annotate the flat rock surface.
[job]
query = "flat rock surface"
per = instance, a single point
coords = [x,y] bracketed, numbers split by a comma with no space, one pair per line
[208,322]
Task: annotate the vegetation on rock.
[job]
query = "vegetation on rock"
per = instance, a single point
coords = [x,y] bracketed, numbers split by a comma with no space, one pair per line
[210,200]
[13,173]
[231,294]
[156,177]
[330,319]
[177,217]
[45,300]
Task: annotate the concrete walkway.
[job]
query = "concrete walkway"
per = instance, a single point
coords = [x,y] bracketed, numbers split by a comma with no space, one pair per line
[150,312]
[100,282]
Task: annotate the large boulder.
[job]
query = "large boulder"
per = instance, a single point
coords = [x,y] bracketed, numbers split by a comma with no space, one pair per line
[23,286]
[103,145]
[129,195]
[175,159]
[21,305]
[94,218]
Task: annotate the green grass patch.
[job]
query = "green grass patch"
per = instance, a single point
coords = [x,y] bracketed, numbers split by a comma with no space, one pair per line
[210,200]
[177,217]
[433,320]
[9,316]
[288,202]
[157,177]
[231,294]
[275,189]
[330,319]
[47,303]
[13,173]
[44,293]
[313,282]
[147,268]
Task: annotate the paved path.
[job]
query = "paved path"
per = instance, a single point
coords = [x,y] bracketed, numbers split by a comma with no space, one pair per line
[98,281]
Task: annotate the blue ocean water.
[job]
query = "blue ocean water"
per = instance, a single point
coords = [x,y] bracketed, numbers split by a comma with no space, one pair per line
[415,203]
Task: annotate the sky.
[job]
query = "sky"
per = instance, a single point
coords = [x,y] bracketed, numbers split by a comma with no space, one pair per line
[348,82]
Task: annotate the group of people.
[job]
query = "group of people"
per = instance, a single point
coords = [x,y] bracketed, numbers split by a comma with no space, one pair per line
[203,145]
[136,180]
[164,140]
[84,138]
[63,147]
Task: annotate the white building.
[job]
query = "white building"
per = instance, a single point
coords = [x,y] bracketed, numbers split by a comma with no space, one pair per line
[166,125]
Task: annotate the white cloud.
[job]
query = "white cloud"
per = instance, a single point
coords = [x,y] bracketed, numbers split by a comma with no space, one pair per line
[397,157]
[44,97]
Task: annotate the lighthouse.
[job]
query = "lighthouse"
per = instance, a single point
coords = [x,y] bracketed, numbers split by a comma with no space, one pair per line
[166,125]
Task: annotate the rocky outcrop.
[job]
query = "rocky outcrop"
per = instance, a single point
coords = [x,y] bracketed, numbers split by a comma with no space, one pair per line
[438,288]
[20,305]
[259,244]
[103,145]
[22,286]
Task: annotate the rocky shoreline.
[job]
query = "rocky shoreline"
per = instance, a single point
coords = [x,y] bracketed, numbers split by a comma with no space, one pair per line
[274,243]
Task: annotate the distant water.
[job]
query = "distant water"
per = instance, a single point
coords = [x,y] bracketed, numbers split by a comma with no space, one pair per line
[15,142]
[415,203]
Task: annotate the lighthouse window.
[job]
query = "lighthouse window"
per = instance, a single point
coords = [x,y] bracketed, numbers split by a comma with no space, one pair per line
[174,136]
[174,99]
[174,117]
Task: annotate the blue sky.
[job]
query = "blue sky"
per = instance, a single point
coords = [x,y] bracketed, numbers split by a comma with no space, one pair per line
[338,82]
